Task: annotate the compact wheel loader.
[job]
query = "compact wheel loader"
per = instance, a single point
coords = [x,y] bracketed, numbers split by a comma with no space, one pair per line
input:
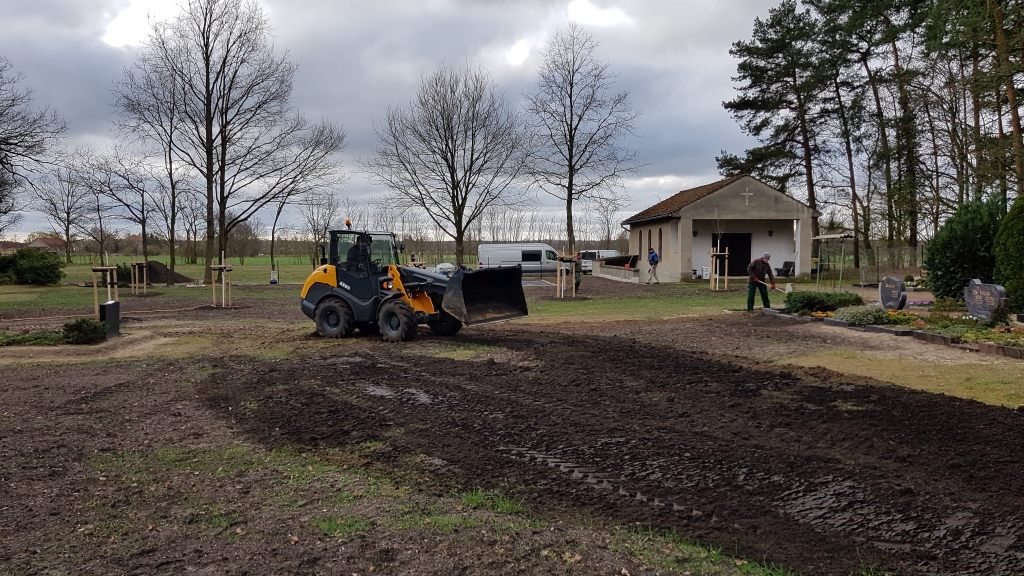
[360,285]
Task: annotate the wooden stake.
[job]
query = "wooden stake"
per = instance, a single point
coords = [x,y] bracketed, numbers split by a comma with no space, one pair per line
[96,295]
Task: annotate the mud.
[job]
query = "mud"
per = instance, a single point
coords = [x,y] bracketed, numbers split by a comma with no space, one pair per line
[681,424]
[817,472]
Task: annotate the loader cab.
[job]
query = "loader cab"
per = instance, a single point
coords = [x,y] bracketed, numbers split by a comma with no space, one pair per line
[360,258]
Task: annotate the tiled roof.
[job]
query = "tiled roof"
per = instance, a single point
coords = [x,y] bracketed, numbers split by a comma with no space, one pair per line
[686,197]
[49,242]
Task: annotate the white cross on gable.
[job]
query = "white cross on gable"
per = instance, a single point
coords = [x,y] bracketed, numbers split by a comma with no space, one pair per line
[747,193]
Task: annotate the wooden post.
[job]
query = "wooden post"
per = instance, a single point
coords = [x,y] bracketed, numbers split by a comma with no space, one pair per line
[213,284]
[96,295]
[711,277]
[145,277]
[114,272]
[229,287]
[726,268]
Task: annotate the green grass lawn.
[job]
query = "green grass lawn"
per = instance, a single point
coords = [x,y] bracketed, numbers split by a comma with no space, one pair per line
[69,297]
[612,309]
[291,270]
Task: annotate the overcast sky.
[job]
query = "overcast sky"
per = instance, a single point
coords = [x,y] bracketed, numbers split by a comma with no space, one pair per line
[355,57]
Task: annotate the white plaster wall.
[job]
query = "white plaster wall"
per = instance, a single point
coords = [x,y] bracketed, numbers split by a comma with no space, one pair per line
[781,244]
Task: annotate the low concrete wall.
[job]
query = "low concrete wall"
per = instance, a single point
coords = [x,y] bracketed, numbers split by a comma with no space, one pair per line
[617,273]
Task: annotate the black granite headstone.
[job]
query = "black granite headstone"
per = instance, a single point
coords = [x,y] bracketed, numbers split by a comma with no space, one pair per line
[892,293]
[110,315]
[984,299]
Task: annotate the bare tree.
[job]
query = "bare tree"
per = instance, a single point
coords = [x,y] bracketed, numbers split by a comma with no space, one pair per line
[319,211]
[193,217]
[244,240]
[149,111]
[239,131]
[63,197]
[170,199]
[607,211]
[579,124]
[26,136]
[455,150]
[9,203]
[128,183]
[97,224]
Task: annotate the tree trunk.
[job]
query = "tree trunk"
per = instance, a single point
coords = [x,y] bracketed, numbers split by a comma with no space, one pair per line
[805,143]
[1007,75]
[460,246]
[976,104]
[569,226]
[853,173]
[886,152]
[67,243]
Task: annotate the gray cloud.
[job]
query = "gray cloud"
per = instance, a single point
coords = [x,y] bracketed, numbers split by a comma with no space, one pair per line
[357,57]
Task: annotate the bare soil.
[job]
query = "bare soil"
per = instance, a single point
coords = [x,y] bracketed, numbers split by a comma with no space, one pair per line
[118,467]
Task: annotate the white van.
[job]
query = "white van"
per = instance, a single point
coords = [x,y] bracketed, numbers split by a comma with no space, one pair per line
[587,258]
[535,258]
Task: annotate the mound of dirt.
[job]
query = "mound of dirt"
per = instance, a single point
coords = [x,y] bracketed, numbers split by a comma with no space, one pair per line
[159,272]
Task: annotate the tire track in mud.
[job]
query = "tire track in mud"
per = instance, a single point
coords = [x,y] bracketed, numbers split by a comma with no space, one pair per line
[609,437]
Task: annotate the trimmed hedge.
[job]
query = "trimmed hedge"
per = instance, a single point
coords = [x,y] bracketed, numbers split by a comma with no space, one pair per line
[963,249]
[807,302]
[863,315]
[31,266]
[1009,252]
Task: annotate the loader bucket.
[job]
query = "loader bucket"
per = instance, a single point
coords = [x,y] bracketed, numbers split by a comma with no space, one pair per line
[484,296]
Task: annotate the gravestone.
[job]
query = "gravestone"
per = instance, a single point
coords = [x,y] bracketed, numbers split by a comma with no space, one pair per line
[892,293]
[110,315]
[984,299]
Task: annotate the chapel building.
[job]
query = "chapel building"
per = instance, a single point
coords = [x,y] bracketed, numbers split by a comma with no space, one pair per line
[751,216]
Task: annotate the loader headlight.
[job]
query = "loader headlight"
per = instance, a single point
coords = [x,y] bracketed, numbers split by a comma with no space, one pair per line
[387,284]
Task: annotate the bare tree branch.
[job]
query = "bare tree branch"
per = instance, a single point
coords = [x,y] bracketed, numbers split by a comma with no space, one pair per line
[455,150]
[579,124]
[26,137]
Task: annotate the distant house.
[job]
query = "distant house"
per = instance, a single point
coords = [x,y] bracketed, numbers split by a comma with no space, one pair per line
[10,247]
[52,245]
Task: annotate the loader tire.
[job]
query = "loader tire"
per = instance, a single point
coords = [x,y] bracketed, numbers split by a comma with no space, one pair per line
[397,321]
[334,319]
[445,325]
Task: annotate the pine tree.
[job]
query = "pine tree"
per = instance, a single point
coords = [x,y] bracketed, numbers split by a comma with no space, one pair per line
[1009,254]
[782,71]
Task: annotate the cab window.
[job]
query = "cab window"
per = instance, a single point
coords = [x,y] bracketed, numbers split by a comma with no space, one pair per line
[382,248]
[550,255]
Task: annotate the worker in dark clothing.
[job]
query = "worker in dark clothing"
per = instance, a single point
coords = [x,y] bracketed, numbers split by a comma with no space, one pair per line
[577,265]
[756,272]
[359,253]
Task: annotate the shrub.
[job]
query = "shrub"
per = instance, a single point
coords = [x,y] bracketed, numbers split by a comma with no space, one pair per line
[908,278]
[806,302]
[1009,254]
[947,304]
[963,249]
[863,315]
[124,275]
[84,331]
[31,266]
[30,339]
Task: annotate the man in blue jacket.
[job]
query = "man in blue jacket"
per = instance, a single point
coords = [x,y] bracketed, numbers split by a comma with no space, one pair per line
[652,259]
